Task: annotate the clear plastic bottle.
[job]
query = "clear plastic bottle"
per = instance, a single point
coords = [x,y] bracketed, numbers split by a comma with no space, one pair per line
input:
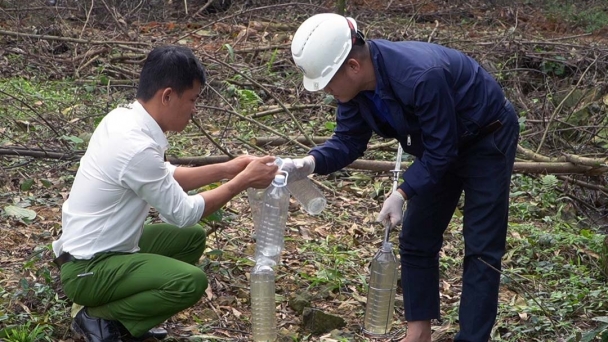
[263,306]
[305,191]
[381,293]
[273,217]
[310,197]
[255,198]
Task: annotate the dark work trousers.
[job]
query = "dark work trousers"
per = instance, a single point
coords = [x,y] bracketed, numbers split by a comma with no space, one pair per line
[483,171]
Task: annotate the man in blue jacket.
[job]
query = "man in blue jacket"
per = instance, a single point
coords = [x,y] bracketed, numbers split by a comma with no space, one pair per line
[450,114]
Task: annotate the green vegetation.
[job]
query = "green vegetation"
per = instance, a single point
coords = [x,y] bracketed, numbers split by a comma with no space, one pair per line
[588,16]
[27,333]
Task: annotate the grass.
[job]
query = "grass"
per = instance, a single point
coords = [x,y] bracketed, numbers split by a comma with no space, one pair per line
[40,110]
[588,16]
[27,333]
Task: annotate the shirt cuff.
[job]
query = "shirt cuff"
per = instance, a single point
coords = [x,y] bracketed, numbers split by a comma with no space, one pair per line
[409,191]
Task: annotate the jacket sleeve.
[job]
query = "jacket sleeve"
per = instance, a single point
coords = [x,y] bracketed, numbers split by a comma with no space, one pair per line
[348,142]
[435,109]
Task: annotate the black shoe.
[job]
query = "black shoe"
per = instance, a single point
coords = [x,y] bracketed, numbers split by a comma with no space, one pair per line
[153,334]
[93,329]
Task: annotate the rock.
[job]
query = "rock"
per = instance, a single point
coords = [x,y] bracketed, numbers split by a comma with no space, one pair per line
[317,322]
[342,335]
[207,315]
[226,300]
[325,292]
[299,302]
[242,293]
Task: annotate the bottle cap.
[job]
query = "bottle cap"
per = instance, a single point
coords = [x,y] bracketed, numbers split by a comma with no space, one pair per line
[279,180]
[279,162]
[387,247]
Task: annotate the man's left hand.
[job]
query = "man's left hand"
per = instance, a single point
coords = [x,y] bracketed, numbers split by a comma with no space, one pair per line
[238,164]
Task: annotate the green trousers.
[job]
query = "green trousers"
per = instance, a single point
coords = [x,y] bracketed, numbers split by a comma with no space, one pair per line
[143,289]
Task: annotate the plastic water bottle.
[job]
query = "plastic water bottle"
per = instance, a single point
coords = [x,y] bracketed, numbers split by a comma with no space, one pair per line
[256,199]
[308,195]
[305,191]
[270,237]
[381,293]
[263,307]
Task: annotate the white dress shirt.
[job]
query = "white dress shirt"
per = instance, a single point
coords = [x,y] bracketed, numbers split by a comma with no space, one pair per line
[120,176]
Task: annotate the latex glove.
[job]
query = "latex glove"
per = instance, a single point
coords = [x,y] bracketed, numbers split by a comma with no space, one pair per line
[392,209]
[298,168]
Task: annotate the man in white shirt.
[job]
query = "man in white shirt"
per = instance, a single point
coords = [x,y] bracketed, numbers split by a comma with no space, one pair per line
[130,277]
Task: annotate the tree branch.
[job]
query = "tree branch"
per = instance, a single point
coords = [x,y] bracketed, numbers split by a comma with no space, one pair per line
[361,164]
[67,39]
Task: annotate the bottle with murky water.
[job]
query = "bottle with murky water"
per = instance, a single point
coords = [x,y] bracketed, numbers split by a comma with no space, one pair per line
[263,306]
[381,293]
[270,237]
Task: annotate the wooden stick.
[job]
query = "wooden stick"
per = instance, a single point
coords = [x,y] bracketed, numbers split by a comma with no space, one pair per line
[67,39]
[361,164]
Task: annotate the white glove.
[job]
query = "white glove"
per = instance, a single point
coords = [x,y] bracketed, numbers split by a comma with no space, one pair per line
[298,168]
[392,209]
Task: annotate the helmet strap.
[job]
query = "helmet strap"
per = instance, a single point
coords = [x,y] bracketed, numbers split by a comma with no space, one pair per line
[357,36]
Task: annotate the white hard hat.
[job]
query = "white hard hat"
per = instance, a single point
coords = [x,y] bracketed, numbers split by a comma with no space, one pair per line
[320,46]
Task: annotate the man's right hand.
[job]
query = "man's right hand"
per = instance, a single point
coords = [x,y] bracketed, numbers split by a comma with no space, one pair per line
[299,168]
[260,172]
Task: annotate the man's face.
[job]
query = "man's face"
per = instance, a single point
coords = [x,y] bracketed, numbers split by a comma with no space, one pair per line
[344,86]
[182,107]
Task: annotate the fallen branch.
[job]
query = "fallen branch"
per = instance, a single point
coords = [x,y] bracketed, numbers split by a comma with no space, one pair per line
[67,39]
[278,141]
[583,184]
[361,164]
[39,8]
[200,10]
[263,48]
[572,158]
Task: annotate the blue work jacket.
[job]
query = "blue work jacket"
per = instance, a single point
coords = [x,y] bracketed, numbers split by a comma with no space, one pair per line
[437,98]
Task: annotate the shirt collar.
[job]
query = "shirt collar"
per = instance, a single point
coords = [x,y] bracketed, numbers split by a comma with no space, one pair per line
[156,132]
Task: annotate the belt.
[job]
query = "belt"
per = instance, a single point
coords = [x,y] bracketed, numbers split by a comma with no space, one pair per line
[63,258]
[483,132]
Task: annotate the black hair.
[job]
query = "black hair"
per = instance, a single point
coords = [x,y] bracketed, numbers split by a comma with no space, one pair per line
[169,66]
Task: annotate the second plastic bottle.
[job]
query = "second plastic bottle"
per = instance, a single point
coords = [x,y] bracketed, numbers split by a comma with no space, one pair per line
[381,293]
[305,191]
[263,306]
[273,219]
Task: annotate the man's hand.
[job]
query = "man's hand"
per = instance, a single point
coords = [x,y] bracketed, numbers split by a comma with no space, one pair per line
[392,209]
[298,168]
[238,164]
[259,172]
